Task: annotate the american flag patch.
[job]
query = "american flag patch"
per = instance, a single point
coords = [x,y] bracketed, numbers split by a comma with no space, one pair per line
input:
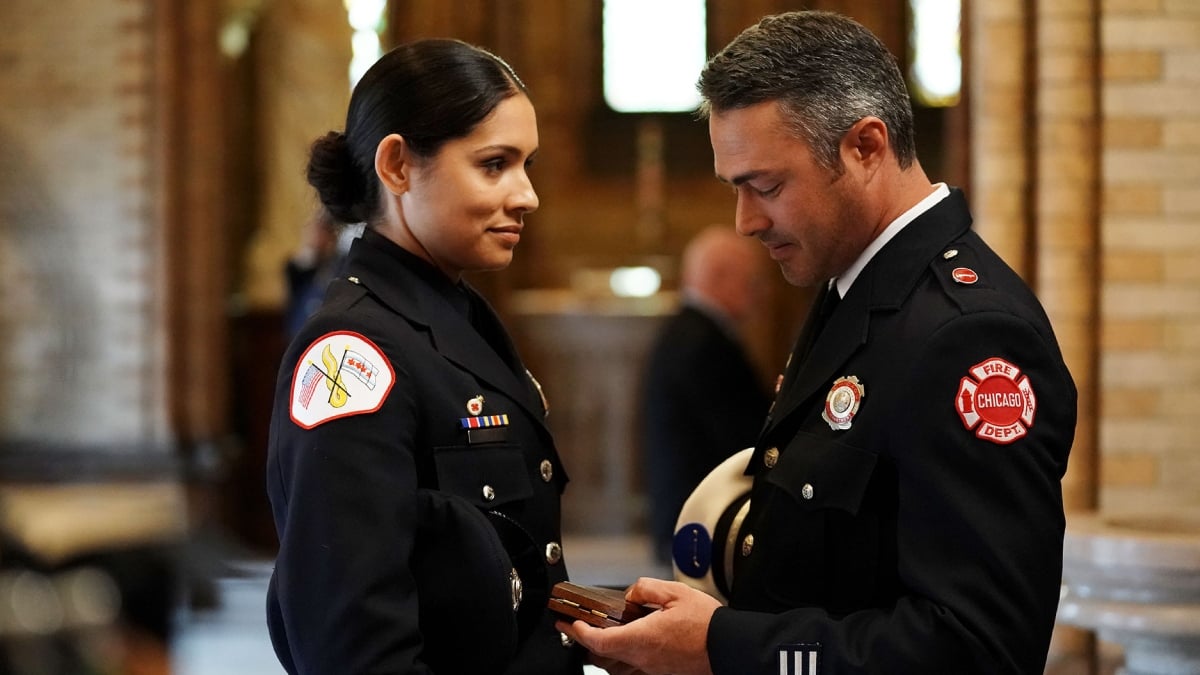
[312,377]
[799,659]
[483,421]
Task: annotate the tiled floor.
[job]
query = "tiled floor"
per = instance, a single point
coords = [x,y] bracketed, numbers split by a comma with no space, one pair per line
[232,638]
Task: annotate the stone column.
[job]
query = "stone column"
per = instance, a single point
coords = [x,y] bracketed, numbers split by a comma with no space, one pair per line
[1035,177]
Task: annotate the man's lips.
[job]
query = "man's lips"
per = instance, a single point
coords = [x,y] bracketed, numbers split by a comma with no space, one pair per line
[777,248]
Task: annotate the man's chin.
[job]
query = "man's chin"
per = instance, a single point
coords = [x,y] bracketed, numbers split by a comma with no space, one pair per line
[798,278]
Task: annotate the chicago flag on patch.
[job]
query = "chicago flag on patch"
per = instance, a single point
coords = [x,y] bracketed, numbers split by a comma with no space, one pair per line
[340,374]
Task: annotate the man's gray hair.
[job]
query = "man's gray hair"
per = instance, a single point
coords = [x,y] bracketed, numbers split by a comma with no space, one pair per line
[826,72]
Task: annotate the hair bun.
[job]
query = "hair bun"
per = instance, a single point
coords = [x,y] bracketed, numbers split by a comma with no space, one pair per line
[340,183]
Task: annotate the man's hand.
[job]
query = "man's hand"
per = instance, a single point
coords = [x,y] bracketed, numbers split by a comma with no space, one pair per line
[670,640]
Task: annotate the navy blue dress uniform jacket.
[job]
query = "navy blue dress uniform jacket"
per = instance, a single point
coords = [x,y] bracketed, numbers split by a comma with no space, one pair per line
[400,526]
[925,536]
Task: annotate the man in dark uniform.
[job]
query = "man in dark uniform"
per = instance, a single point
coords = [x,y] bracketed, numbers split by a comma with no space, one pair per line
[906,510]
[701,398]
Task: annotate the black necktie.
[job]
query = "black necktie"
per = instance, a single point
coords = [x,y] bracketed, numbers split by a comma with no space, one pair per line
[818,314]
[828,304]
[821,311]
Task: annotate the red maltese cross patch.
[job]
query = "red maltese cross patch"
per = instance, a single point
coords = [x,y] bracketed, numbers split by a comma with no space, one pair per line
[996,401]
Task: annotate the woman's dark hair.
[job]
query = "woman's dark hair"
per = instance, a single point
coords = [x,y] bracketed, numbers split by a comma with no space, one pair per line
[428,91]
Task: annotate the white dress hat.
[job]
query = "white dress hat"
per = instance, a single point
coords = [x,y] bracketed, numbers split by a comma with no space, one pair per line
[709,527]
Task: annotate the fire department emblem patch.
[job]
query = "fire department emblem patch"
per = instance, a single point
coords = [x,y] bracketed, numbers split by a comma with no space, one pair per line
[842,401]
[340,374]
[996,401]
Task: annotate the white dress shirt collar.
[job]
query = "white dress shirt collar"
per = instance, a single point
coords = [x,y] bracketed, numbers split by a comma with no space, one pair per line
[940,192]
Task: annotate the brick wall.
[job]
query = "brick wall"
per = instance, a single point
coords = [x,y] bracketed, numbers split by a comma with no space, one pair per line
[1150,227]
[1086,169]
[1034,125]
[80,340]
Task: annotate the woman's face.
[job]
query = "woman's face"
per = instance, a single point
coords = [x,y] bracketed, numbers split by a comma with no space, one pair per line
[464,206]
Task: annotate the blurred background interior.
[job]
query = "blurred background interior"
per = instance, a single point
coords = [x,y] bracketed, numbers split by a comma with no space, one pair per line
[151,190]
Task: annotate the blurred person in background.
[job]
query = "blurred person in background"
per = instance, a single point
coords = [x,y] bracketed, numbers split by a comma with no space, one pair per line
[316,261]
[701,398]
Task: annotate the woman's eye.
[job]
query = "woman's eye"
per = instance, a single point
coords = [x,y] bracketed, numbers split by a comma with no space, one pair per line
[494,164]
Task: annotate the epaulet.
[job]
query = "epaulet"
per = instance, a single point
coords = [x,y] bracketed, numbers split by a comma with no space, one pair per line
[358,284]
[959,272]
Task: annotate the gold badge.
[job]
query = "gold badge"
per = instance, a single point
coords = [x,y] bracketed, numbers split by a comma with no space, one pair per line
[841,404]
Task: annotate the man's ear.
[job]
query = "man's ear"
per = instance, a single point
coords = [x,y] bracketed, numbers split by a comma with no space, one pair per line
[866,144]
[393,163]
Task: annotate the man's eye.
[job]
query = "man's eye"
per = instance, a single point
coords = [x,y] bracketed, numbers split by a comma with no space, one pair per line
[769,192]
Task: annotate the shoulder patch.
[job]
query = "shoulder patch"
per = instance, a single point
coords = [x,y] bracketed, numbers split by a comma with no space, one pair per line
[340,374]
[996,401]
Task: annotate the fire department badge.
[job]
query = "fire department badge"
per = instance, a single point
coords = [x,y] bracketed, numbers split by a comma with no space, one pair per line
[841,404]
[996,401]
[340,374]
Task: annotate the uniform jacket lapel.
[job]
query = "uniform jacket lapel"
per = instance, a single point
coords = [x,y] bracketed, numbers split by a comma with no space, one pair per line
[883,286]
[453,336]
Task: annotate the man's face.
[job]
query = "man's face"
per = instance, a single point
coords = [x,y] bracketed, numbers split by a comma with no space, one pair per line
[810,218]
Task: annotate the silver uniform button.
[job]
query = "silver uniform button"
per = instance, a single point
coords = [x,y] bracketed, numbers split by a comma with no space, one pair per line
[553,552]
[489,493]
[950,254]
[806,491]
[747,545]
[353,280]
[547,470]
[518,589]
[771,456]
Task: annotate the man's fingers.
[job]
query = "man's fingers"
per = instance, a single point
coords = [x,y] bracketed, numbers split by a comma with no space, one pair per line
[588,636]
[648,591]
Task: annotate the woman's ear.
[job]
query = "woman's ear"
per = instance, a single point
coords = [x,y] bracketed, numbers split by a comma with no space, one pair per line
[392,163]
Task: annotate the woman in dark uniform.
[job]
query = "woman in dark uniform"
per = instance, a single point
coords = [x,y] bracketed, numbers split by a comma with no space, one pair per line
[414,485]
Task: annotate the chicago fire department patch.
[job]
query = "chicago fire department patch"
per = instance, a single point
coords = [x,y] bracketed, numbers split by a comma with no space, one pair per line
[996,401]
[340,374]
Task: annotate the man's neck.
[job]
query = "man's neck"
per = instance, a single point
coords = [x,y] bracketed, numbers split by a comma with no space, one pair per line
[905,188]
